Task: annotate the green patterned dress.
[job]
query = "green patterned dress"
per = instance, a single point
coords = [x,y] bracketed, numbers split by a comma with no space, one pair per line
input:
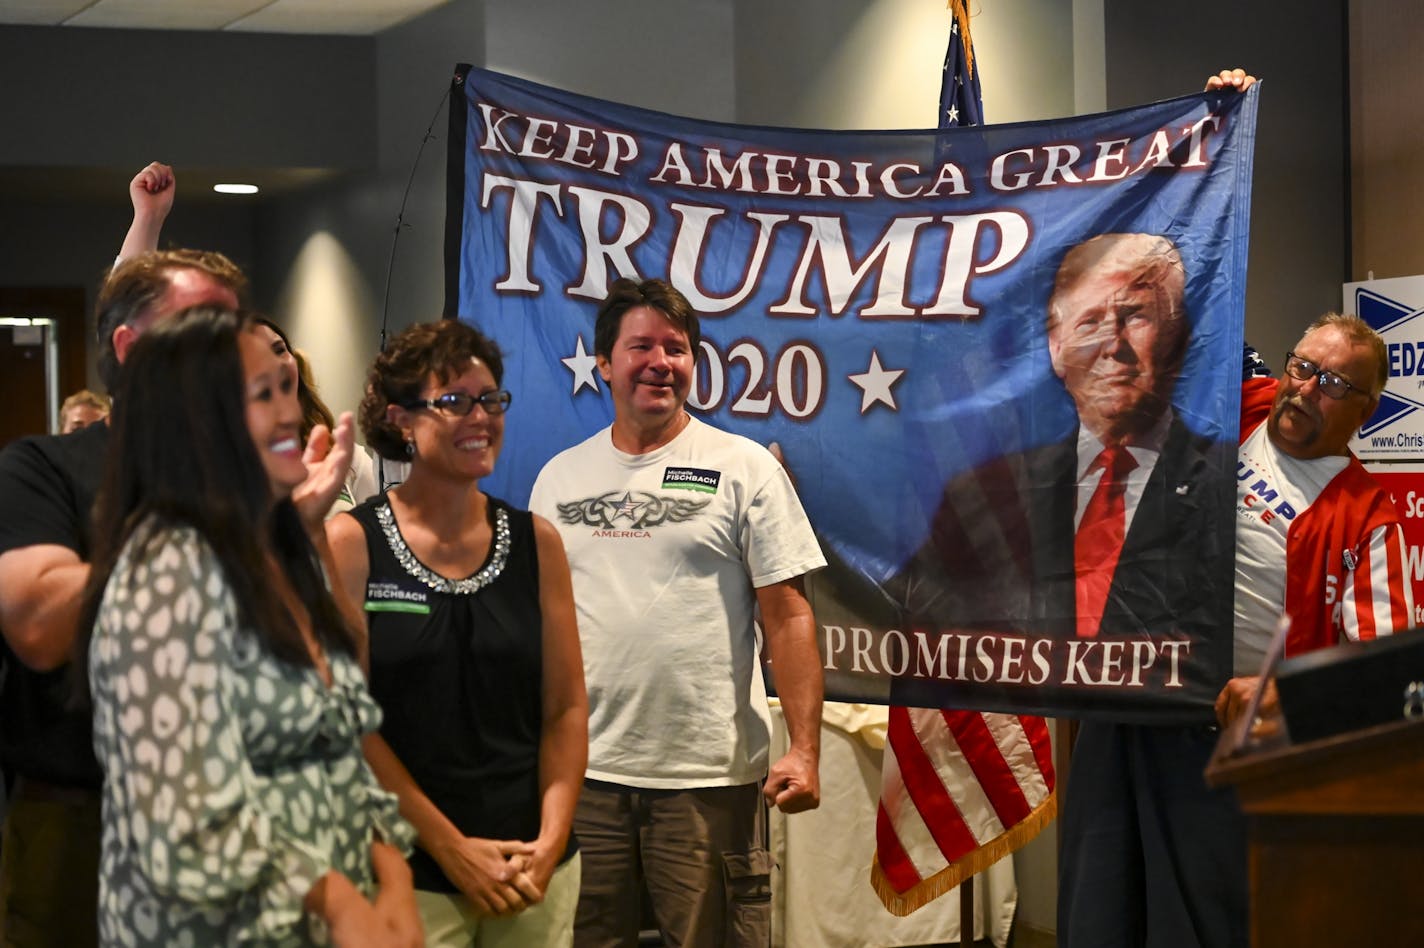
[233,780]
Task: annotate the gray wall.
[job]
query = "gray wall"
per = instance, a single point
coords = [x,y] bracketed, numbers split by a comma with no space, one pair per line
[92,98]
[857,64]
[1387,139]
[101,104]
[325,256]
[1298,210]
[670,55]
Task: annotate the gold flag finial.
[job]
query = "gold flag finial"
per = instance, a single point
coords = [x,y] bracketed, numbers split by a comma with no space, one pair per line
[961,17]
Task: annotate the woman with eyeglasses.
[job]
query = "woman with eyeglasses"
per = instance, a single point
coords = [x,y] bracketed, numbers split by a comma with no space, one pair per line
[229,704]
[474,652]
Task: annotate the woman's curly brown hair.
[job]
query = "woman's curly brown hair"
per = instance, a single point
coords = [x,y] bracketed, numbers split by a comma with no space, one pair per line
[399,374]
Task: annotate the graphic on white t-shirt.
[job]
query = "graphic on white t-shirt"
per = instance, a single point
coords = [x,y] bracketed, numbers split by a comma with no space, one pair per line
[637,509]
[1272,489]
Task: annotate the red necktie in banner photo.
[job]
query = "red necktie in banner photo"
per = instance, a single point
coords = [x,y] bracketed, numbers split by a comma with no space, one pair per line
[1098,542]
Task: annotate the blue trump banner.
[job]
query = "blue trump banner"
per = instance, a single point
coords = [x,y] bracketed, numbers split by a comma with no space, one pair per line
[1001,363]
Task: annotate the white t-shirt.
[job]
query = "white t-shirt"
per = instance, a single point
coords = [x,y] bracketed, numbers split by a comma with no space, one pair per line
[666,550]
[360,484]
[1272,489]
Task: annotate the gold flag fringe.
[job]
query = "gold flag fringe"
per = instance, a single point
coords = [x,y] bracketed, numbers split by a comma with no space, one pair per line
[975,861]
[961,16]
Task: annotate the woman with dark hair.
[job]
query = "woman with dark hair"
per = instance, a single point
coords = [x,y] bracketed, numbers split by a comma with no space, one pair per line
[229,703]
[360,481]
[474,652]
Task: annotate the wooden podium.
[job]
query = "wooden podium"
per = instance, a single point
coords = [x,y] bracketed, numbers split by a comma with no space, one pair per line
[1336,836]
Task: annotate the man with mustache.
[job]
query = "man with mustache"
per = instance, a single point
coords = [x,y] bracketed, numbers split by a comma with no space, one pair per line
[1150,854]
[1316,537]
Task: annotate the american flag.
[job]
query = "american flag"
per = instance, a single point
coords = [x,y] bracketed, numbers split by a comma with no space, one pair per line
[959,790]
[960,103]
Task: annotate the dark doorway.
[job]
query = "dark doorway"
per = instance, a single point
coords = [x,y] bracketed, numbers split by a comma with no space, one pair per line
[22,355]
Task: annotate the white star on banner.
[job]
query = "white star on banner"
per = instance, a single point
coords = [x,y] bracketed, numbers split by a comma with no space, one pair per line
[953,114]
[875,383]
[581,364]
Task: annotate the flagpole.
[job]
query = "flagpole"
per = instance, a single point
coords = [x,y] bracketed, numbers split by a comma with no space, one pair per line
[958,806]
[966,913]
[960,104]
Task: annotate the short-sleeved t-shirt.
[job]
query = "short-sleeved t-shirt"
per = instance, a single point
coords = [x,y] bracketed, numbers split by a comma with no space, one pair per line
[47,490]
[666,550]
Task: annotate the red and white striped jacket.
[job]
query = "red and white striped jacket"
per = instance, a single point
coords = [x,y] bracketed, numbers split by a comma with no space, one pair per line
[1345,563]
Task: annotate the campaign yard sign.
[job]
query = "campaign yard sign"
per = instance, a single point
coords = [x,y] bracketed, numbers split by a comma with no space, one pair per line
[1395,432]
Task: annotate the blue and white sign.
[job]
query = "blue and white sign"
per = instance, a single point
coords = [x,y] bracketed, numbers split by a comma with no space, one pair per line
[1395,308]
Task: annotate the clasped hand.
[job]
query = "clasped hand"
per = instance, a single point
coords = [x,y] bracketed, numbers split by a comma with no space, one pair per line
[498,876]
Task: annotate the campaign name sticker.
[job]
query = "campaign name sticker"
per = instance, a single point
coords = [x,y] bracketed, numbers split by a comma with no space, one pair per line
[389,597]
[691,478]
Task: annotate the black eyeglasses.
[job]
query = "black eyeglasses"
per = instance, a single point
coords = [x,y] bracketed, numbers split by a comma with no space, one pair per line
[1303,370]
[458,403]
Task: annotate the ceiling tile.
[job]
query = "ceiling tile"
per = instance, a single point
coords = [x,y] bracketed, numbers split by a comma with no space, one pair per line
[352,17]
[39,12]
[333,16]
[165,14]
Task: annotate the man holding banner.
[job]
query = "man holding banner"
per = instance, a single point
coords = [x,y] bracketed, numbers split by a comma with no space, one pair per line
[1151,856]
[676,532]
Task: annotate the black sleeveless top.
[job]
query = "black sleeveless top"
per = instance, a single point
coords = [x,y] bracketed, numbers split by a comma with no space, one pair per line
[457,667]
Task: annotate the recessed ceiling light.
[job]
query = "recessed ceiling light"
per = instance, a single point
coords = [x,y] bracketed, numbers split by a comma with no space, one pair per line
[235,188]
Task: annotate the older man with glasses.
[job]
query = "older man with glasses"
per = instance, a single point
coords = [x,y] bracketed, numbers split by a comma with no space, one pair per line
[1316,536]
